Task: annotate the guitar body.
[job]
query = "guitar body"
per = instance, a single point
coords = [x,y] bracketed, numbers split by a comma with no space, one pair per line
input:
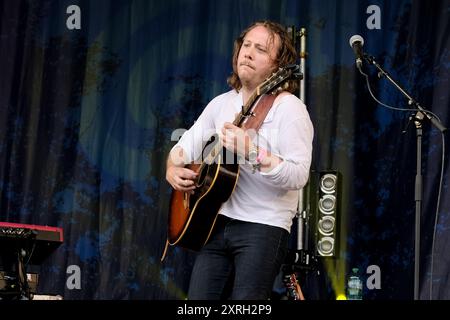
[192,216]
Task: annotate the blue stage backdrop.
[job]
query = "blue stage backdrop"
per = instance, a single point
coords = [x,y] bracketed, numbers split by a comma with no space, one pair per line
[91,96]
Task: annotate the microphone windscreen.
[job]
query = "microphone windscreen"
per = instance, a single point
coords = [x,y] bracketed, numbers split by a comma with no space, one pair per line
[355,38]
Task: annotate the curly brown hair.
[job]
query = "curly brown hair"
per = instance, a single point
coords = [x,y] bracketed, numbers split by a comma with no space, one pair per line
[286,53]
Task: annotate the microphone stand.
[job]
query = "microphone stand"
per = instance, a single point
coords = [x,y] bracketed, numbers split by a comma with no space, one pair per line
[418,118]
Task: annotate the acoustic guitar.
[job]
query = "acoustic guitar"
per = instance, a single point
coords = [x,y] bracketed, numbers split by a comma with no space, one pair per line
[192,216]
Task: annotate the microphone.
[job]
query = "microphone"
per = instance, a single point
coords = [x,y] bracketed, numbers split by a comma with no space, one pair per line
[356,42]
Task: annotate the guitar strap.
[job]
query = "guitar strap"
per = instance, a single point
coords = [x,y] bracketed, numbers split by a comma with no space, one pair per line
[259,112]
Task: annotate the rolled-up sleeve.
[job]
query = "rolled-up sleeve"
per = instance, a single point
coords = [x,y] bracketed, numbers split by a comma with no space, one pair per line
[295,149]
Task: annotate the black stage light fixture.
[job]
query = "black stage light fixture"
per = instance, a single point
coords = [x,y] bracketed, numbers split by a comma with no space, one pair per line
[324,202]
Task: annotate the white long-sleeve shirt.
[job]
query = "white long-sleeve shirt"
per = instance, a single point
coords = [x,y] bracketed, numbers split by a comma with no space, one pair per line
[263,197]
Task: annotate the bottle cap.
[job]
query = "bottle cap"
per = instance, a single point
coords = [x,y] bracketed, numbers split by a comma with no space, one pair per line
[355,270]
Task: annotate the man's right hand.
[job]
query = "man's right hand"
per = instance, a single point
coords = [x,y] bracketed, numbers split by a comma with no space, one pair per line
[181,179]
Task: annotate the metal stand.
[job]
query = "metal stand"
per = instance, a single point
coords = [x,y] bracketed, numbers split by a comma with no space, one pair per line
[24,289]
[299,40]
[418,200]
[299,260]
[420,115]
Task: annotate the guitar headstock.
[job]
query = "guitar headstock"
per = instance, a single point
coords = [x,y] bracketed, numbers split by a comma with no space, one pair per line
[275,81]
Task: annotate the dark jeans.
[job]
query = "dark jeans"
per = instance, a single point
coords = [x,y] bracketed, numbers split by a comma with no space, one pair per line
[240,261]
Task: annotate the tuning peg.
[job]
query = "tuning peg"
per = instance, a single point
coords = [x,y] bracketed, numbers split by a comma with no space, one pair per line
[298,75]
[293,66]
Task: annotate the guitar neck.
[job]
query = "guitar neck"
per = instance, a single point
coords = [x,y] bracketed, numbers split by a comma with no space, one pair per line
[245,112]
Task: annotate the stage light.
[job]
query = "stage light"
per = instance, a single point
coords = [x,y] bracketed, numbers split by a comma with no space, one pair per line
[328,183]
[325,207]
[325,246]
[327,204]
[326,225]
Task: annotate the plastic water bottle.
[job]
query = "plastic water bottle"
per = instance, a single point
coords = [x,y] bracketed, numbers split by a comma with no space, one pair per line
[354,286]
